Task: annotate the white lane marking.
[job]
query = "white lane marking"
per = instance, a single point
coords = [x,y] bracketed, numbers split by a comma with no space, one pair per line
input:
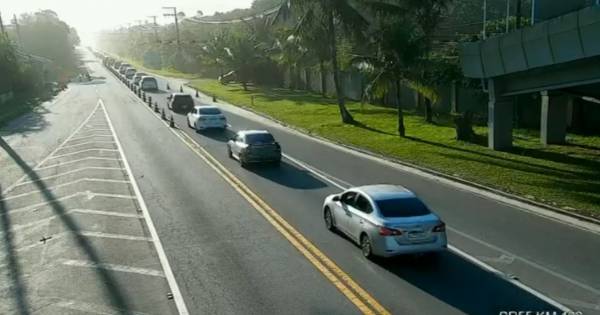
[72,172]
[515,282]
[86,143]
[90,195]
[90,308]
[11,187]
[41,204]
[97,180]
[114,267]
[109,213]
[78,160]
[474,260]
[76,139]
[528,262]
[580,304]
[18,227]
[115,236]
[177,297]
[81,151]
[319,174]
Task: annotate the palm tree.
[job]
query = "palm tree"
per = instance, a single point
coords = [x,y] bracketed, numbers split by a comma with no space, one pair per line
[326,17]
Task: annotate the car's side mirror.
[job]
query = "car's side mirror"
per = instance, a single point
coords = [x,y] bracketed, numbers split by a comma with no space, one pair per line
[336,198]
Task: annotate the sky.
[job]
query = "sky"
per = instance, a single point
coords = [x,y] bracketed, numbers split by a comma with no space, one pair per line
[91,16]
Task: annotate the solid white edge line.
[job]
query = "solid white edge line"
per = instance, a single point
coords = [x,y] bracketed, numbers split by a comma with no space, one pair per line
[44,160]
[515,282]
[177,297]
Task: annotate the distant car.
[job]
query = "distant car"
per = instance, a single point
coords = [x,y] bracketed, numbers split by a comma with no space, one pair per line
[123,68]
[204,117]
[138,76]
[148,83]
[130,72]
[180,102]
[385,220]
[254,146]
[117,64]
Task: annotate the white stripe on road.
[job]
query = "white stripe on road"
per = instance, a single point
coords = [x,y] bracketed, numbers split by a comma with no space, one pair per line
[86,143]
[71,172]
[82,151]
[76,139]
[97,180]
[78,160]
[18,227]
[168,272]
[113,267]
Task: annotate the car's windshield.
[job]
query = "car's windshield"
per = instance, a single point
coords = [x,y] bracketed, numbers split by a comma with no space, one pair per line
[209,111]
[402,207]
[259,138]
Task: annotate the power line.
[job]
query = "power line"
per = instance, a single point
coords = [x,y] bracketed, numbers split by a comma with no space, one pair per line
[238,20]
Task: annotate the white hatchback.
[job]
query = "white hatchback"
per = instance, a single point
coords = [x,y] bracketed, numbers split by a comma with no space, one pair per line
[204,117]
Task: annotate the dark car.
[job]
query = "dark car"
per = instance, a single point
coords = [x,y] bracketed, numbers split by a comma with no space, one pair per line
[180,102]
[254,146]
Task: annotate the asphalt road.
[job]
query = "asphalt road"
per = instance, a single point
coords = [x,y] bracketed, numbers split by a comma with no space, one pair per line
[188,202]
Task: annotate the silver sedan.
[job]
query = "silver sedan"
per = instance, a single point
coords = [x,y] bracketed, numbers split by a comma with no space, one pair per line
[385,220]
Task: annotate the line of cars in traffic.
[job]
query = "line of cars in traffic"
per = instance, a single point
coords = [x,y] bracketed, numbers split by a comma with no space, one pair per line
[383,220]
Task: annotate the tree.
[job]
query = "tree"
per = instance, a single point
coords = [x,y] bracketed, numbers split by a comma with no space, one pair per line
[243,55]
[396,51]
[326,17]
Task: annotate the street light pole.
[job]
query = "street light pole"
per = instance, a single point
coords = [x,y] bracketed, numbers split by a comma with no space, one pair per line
[154,26]
[174,14]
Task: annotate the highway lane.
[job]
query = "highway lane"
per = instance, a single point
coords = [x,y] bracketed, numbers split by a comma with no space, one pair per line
[555,258]
[402,285]
[225,256]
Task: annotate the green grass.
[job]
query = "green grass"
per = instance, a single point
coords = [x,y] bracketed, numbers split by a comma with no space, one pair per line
[566,176]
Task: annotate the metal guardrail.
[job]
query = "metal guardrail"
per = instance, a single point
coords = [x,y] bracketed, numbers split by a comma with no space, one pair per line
[569,37]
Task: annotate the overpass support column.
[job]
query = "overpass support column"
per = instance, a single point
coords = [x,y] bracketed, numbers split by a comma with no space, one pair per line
[500,119]
[554,118]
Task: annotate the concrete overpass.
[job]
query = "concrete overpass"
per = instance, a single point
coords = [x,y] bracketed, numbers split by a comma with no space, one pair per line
[558,58]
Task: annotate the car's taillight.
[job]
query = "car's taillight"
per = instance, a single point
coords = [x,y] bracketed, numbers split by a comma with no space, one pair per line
[388,232]
[440,227]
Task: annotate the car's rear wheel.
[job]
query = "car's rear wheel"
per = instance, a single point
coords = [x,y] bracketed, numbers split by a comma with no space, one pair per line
[365,246]
[328,217]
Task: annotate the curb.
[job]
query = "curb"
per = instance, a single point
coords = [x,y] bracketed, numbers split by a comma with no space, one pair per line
[545,206]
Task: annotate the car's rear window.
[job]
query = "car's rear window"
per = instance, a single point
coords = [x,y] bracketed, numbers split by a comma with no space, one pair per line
[183,100]
[258,138]
[402,207]
[210,111]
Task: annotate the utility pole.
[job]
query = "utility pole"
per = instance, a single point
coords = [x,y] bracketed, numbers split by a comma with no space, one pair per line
[484,34]
[154,26]
[174,14]
[18,29]
[2,25]
[519,14]
[507,16]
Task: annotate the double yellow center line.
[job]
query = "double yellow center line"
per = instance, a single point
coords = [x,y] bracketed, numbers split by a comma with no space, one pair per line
[357,295]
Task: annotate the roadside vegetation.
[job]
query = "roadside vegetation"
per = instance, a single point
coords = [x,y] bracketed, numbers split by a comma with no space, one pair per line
[272,64]
[35,62]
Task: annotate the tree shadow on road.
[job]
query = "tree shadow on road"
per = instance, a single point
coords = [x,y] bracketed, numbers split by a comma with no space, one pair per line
[112,291]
